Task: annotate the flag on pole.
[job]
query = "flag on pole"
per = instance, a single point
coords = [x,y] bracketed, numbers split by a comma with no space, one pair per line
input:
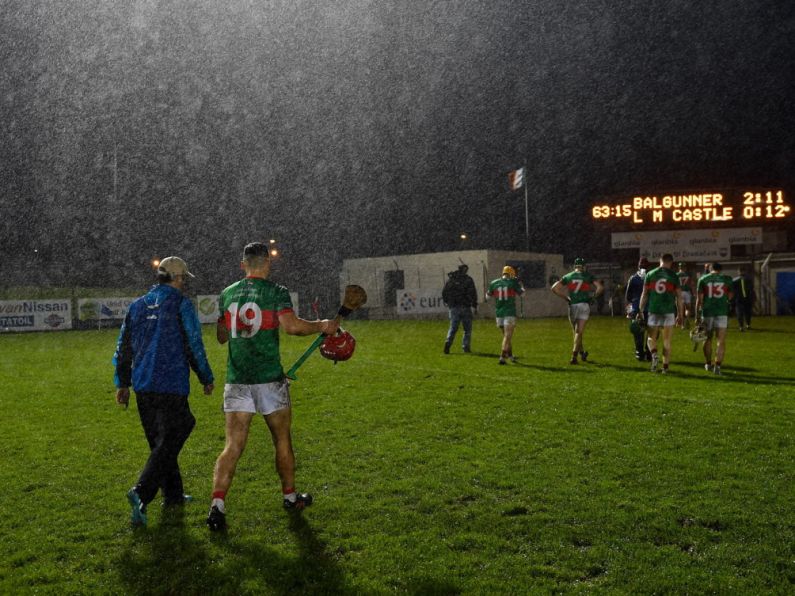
[516,179]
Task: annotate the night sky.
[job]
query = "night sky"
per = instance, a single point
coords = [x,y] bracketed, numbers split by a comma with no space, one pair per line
[361,128]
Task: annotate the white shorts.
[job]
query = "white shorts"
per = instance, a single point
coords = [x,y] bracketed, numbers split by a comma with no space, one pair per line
[506,321]
[668,320]
[713,323]
[579,312]
[687,298]
[264,398]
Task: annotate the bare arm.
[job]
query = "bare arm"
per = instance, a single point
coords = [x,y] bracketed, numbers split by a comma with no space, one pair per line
[600,288]
[293,325]
[680,307]
[644,298]
[558,290]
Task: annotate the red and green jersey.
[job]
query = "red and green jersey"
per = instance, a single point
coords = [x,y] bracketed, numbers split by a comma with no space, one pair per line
[716,290]
[661,285]
[505,290]
[250,309]
[580,285]
[685,281]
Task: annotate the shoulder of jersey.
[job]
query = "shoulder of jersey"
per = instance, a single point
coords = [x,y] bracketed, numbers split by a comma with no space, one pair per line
[235,284]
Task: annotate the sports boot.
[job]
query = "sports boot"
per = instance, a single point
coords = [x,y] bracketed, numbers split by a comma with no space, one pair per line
[138,515]
[216,520]
[302,501]
[655,361]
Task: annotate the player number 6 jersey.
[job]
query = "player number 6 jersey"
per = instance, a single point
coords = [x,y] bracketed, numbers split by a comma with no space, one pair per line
[661,285]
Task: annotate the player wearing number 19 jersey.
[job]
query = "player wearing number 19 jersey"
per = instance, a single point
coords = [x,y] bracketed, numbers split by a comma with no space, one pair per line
[251,313]
[578,288]
[663,295]
[713,296]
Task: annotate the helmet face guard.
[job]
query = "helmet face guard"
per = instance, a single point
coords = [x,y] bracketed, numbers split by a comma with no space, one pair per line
[637,326]
[699,334]
[338,347]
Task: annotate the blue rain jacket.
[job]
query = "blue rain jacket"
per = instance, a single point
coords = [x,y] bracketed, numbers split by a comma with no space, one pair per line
[159,342]
[634,292]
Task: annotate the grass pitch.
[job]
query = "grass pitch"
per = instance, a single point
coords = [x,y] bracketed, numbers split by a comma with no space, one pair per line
[431,473]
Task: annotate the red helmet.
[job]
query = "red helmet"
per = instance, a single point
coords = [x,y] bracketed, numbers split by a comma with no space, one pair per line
[338,347]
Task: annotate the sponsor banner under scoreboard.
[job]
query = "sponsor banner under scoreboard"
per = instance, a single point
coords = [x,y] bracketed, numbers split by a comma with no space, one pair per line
[687,245]
[420,301]
[103,309]
[207,306]
[35,315]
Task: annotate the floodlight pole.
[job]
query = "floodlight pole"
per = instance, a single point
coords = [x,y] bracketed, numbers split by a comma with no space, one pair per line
[526,213]
[115,174]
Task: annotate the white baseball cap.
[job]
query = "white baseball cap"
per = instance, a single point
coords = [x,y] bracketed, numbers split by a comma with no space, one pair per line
[174,266]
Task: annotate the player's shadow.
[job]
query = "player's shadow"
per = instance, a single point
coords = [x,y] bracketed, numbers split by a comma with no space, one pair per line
[493,356]
[555,369]
[475,354]
[756,330]
[165,559]
[695,370]
[251,566]
[700,366]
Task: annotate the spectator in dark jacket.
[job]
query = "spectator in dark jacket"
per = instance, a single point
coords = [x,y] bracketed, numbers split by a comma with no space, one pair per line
[460,296]
[632,297]
[744,298]
[160,341]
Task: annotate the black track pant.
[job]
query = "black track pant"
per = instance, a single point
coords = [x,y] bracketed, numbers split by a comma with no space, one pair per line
[167,422]
[744,308]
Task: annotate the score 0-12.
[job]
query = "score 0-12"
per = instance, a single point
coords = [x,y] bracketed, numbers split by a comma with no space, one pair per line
[767,205]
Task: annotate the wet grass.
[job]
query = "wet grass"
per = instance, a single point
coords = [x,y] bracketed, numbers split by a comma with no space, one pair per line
[431,473]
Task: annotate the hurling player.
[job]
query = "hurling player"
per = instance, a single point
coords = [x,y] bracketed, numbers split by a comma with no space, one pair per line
[687,284]
[663,295]
[712,299]
[252,311]
[505,290]
[577,288]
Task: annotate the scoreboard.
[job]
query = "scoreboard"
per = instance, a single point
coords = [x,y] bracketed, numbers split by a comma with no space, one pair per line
[743,206]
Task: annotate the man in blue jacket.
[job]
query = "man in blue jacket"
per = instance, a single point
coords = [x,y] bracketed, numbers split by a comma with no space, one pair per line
[632,296]
[160,341]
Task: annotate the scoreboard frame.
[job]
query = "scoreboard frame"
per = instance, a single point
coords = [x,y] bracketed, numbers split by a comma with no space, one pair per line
[691,208]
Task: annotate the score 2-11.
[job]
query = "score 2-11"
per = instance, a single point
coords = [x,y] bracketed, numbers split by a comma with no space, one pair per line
[768,205]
